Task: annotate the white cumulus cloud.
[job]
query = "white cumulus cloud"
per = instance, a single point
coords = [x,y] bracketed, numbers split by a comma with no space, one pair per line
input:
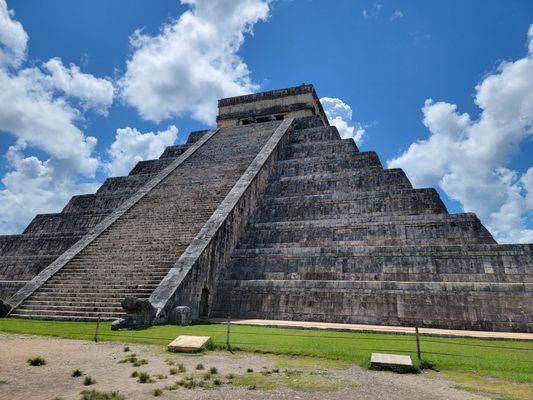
[467,157]
[13,38]
[131,146]
[340,115]
[93,93]
[42,108]
[33,186]
[193,61]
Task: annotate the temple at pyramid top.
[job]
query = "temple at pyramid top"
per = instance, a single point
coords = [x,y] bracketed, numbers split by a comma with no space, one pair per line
[274,105]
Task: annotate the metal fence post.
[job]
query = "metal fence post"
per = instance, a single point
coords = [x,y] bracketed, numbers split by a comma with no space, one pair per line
[417,344]
[96,332]
[228,348]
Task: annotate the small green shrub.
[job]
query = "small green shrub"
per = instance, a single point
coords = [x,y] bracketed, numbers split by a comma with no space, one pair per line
[217,382]
[158,392]
[173,371]
[126,349]
[213,370]
[181,368]
[249,370]
[206,376]
[161,376]
[36,361]
[131,358]
[200,366]
[230,376]
[190,384]
[135,374]
[94,395]
[169,361]
[76,373]
[144,377]
[140,362]
[88,381]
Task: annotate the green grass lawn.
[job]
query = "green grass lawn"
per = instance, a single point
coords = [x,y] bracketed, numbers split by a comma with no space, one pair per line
[506,359]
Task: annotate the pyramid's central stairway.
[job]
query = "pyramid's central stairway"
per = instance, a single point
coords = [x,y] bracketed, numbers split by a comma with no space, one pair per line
[271,215]
[135,254]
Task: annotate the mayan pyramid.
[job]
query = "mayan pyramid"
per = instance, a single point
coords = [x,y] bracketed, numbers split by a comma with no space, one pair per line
[270,215]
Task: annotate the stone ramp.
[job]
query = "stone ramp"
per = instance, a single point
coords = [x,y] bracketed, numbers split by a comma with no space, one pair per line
[132,256]
[337,238]
[48,236]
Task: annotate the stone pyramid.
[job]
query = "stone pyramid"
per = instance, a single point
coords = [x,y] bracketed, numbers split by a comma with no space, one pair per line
[270,215]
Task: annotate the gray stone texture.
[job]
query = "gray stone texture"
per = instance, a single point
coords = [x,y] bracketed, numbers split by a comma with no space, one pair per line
[131,255]
[278,220]
[337,238]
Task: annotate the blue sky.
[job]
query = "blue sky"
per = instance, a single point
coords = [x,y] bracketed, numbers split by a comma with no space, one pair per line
[382,60]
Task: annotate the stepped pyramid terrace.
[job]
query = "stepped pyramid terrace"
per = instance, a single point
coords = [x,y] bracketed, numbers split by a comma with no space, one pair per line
[271,215]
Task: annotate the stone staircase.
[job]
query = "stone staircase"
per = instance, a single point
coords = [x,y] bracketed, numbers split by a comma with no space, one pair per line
[135,253]
[338,238]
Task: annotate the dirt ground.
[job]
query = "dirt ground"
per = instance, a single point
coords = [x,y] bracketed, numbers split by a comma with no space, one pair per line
[18,380]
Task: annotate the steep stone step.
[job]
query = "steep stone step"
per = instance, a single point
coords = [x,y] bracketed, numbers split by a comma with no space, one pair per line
[150,166]
[315,134]
[88,303]
[106,297]
[174,151]
[124,184]
[340,182]
[308,122]
[74,223]
[377,231]
[15,245]
[317,165]
[346,205]
[481,262]
[56,309]
[23,267]
[406,303]
[52,317]
[88,203]
[72,315]
[331,148]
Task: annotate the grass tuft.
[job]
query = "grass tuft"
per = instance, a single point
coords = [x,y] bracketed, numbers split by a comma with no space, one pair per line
[144,377]
[173,371]
[213,370]
[181,368]
[95,395]
[200,366]
[76,373]
[157,392]
[36,361]
[126,349]
[88,381]
[140,362]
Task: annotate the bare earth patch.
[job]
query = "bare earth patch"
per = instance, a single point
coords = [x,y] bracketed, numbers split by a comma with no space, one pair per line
[226,376]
